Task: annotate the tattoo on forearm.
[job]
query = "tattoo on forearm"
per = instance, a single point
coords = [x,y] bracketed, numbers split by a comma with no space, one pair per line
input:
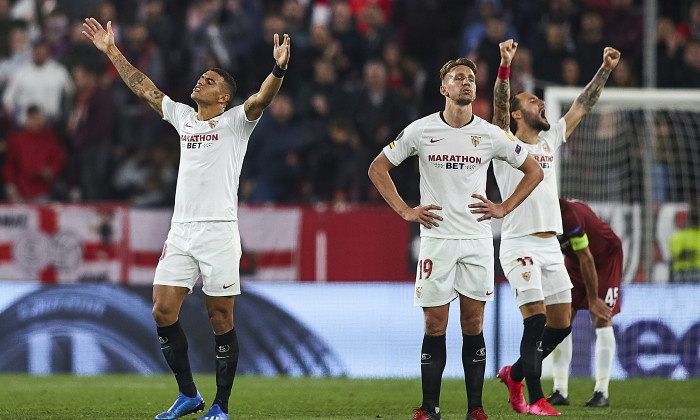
[591,93]
[501,96]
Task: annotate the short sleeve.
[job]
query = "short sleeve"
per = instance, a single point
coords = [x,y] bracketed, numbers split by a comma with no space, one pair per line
[239,123]
[174,112]
[571,224]
[556,135]
[405,145]
[506,148]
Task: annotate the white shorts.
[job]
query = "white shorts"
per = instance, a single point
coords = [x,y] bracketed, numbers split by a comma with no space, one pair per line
[209,249]
[451,267]
[535,269]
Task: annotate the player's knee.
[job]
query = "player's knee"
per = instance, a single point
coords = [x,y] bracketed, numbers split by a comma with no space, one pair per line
[471,324]
[163,317]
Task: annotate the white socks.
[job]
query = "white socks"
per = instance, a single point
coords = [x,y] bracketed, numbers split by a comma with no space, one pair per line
[561,359]
[604,356]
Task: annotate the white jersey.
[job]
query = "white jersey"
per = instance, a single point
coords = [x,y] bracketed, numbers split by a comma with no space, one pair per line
[453,163]
[540,211]
[211,155]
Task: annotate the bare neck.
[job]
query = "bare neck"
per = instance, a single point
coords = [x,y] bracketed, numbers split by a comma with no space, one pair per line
[527,134]
[208,112]
[457,116]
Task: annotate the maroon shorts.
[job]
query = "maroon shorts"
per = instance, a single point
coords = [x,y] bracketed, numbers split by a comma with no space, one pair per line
[609,278]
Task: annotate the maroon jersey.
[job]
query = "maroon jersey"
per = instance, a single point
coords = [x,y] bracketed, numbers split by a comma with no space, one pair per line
[578,220]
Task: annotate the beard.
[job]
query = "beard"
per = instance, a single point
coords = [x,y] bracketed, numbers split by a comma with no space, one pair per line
[539,124]
[464,101]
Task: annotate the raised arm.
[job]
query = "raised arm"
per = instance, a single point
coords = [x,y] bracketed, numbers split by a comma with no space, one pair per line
[501,90]
[138,82]
[379,174]
[591,93]
[256,104]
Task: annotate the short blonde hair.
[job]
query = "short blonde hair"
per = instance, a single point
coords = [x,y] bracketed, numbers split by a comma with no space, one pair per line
[454,63]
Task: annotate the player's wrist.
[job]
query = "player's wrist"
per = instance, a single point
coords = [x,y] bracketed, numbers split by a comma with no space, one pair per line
[278,71]
[504,71]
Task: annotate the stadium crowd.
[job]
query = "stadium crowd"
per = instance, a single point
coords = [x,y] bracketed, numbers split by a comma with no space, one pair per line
[360,71]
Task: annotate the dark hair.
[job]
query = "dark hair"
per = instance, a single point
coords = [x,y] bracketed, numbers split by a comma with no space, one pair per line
[230,82]
[514,106]
[454,63]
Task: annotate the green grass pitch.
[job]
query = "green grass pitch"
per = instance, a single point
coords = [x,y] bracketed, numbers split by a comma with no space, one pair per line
[126,397]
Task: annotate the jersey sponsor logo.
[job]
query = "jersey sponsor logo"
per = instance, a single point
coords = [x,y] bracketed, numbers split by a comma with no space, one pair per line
[526,275]
[198,141]
[517,149]
[454,158]
[212,123]
[476,140]
[436,140]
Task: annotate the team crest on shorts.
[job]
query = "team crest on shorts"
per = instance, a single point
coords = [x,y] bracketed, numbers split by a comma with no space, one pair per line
[418,291]
[212,123]
[476,140]
[526,275]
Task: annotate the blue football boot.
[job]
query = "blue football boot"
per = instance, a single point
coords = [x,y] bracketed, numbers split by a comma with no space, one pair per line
[183,406]
[215,413]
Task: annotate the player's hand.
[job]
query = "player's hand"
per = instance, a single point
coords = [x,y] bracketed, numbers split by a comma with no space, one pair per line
[103,39]
[599,309]
[489,208]
[508,48]
[611,57]
[281,51]
[423,215]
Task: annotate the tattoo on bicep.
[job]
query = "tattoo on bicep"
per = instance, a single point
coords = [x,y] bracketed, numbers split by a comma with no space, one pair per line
[591,93]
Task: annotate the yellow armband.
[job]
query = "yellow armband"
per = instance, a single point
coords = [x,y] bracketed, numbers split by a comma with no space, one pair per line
[579,242]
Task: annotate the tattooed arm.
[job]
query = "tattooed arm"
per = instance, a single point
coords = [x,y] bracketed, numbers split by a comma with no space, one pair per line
[591,93]
[138,82]
[501,90]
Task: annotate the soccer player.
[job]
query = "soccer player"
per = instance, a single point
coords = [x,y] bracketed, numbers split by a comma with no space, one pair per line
[593,258]
[203,238]
[529,253]
[454,148]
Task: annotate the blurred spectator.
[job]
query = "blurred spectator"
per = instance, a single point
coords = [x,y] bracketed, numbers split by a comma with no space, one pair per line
[80,50]
[380,114]
[147,179]
[260,53]
[20,55]
[690,29]
[6,25]
[548,60]
[104,12]
[332,163]
[522,75]
[320,97]
[344,29]
[684,245]
[321,45]
[668,44]
[295,18]
[161,28]
[405,75]
[378,32]
[57,32]
[43,82]
[624,75]
[489,52]
[33,13]
[272,170]
[90,130]
[624,28]
[571,72]
[688,70]
[34,159]
[476,30]
[590,44]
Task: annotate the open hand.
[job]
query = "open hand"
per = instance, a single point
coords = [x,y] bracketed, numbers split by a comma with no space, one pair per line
[281,51]
[103,39]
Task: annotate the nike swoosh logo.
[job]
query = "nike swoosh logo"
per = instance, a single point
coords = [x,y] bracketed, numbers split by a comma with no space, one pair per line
[478,360]
[436,140]
[489,293]
[226,287]
[188,125]
[222,357]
